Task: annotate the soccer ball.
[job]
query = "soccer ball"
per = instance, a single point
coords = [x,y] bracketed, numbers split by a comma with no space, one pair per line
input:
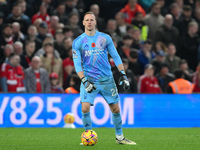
[89,138]
[69,118]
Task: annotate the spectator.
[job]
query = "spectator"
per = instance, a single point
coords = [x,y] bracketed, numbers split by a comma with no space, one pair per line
[48,39]
[27,55]
[60,26]
[127,42]
[136,35]
[197,4]
[158,61]
[6,37]
[68,32]
[154,20]
[74,85]
[32,33]
[67,44]
[70,7]
[1,21]
[55,88]
[171,59]
[163,8]
[101,25]
[185,19]
[18,48]
[145,54]
[138,22]
[160,46]
[130,9]
[121,24]
[167,33]
[111,29]
[189,44]
[50,5]
[54,20]
[180,85]
[175,10]
[42,32]
[58,43]
[196,80]
[179,3]
[68,67]
[17,34]
[8,49]
[129,29]
[16,16]
[51,62]
[164,77]
[37,23]
[5,7]
[12,75]
[188,73]
[22,4]
[131,77]
[133,63]
[80,6]
[42,13]
[147,82]
[37,80]
[73,23]
[60,12]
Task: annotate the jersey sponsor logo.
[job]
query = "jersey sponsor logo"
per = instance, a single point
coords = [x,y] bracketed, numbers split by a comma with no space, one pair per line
[94,52]
[87,53]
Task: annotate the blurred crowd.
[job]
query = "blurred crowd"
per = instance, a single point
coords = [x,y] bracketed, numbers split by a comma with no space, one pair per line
[154,38]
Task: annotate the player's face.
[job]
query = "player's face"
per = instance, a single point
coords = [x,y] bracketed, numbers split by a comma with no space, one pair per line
[89,22]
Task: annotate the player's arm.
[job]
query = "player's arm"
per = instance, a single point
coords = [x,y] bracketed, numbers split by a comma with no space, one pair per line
[123,80]
[89,87]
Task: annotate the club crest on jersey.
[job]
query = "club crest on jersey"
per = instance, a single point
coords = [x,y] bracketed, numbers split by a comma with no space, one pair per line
[93,45]
[101,41]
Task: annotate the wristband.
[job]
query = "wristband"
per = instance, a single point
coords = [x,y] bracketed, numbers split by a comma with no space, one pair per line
[83,80]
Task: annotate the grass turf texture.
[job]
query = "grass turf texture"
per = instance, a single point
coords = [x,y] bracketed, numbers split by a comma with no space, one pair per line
[69,139]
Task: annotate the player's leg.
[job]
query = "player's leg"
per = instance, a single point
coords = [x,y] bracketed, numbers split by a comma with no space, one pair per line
[87,99]
[117,121]
[86,119]
[110,94]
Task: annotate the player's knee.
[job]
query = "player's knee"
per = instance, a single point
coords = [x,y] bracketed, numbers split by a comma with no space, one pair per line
[116,110]
[85,109]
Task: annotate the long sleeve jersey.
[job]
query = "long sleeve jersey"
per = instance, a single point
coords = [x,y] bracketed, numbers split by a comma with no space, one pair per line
[90,55]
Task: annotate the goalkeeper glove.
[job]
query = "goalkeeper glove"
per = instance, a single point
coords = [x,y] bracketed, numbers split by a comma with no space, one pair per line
[89,86]
[123,80]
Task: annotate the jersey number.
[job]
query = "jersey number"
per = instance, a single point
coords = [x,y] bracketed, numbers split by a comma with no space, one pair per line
[113,92]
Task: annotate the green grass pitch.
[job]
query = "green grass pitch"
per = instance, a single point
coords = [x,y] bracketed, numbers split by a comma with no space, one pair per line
[69,139]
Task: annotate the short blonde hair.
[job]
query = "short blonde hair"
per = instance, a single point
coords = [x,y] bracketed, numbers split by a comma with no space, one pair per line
[89,12]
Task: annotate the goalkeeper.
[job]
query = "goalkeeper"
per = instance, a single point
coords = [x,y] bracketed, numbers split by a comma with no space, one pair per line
[90,56]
